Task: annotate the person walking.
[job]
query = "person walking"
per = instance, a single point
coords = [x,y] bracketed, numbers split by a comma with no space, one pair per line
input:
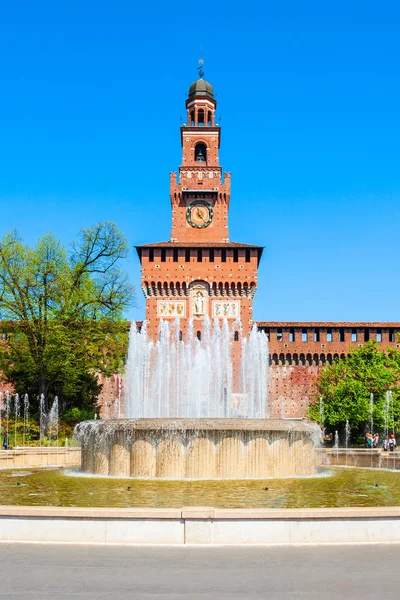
[5,442]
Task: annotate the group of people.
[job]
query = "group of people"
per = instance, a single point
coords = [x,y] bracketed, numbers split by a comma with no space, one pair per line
[374,441]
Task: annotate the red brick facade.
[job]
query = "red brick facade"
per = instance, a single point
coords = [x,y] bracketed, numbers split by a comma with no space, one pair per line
[299,350]
[200,263]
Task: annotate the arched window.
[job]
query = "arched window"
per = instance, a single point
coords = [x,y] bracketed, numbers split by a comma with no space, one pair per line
[180,336]
[200,117]
[209,121]
[191,120]
[198,335]
[236,336]
[200,153]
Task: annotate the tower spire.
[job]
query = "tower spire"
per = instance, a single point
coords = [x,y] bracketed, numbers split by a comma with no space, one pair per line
[201,64]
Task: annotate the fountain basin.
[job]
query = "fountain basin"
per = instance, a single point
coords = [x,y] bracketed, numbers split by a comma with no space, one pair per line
[198,448]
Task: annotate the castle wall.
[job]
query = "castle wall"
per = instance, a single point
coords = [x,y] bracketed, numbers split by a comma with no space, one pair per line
[291,388]
[299,350]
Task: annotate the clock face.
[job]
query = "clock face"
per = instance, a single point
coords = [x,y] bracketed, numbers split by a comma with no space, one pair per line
[199,214]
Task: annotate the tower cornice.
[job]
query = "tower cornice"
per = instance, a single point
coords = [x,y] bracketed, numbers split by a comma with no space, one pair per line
[201,131]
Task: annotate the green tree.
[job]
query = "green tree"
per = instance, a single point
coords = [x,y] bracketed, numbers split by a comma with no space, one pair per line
[62,312]
[345,387]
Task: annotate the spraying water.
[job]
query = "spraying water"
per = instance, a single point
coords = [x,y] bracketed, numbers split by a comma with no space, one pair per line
[8,410]
[336,445]
[388,420]
[347,433]
[194,379]
[1,414]
[321,413]
[371,417]
[53,421]
[26,419]
[16,417]
[371,412]
[282,409]
[42,418]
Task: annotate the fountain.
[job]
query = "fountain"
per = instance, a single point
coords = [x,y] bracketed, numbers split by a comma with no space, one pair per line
[16,417]
[26,419]
[336,445]
[371,412]
[190,414]
[321,413]
[347,435]
[42,418]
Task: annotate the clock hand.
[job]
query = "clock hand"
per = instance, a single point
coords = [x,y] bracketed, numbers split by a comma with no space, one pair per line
[200,214]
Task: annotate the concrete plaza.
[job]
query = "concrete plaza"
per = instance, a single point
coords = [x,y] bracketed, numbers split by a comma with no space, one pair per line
[32,571]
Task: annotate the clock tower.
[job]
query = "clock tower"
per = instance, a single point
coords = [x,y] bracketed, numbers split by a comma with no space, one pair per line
[199,272]
[200,195]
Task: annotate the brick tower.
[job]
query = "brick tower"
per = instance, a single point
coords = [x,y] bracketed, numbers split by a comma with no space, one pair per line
[199,272]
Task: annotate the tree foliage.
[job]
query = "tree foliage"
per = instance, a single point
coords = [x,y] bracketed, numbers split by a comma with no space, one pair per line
[61,312]
[345,387]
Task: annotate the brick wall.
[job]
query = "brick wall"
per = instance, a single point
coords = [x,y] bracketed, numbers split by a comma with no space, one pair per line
[298,350]
[291,389]
[168,273]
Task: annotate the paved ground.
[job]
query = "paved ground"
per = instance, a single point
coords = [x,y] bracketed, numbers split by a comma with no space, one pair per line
[61,572]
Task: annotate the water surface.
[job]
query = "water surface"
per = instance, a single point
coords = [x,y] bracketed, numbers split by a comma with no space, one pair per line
[344,487]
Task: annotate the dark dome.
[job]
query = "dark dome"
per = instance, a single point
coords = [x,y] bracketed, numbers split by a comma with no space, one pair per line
[201,88]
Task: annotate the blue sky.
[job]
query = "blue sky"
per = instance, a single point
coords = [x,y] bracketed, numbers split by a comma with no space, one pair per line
[308,92]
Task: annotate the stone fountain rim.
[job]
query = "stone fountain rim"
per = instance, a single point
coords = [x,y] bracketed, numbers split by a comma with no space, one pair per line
[204,424]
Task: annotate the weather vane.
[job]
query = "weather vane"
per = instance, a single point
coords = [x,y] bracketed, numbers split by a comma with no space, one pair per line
[201,63]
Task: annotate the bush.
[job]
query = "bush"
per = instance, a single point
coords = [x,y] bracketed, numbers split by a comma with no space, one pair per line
[76,415]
